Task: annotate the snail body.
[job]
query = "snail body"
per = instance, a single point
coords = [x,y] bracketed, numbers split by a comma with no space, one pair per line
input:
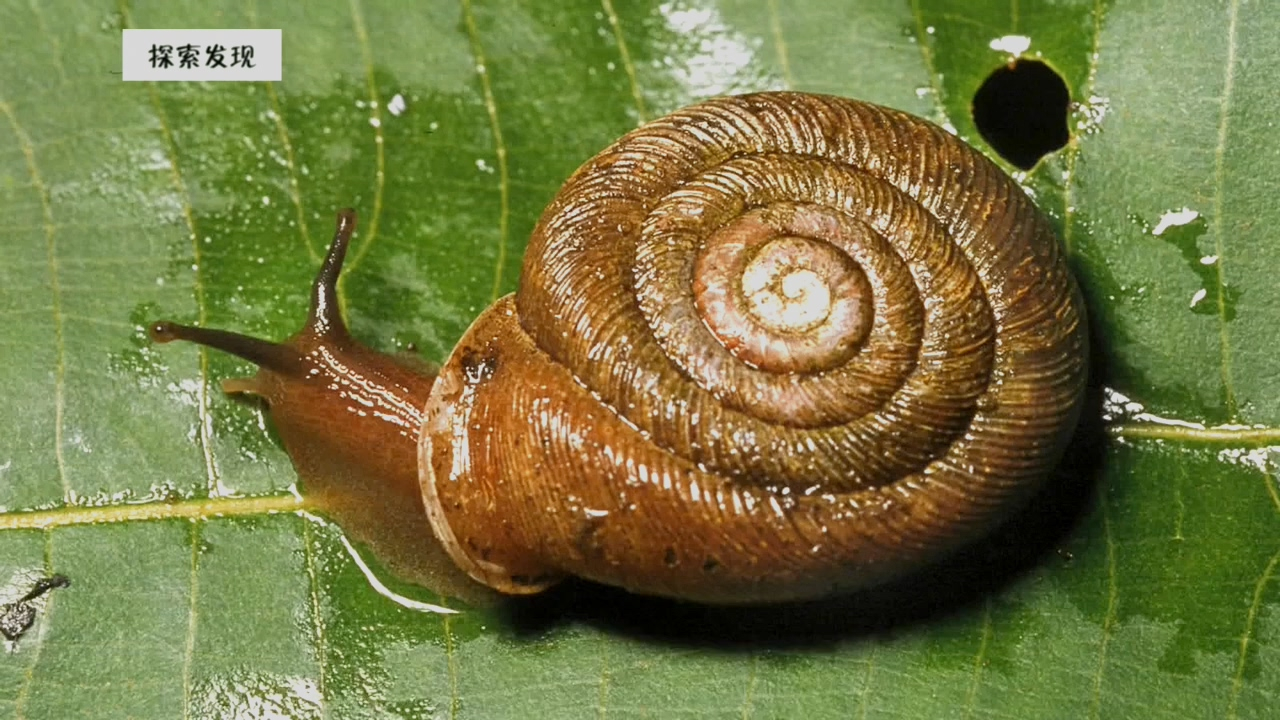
[769,347]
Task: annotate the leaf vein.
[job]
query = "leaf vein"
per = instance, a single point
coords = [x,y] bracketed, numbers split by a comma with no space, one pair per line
[495,127]
[55,290]
[53,41]
[1219,180]
[317,616]
[1188,432]
[29,675]
[199,508]
[204,415]
[627,65]
[189,649]
[780,44]
[295,188]
[866,683]
[1237,682]
[203,411]
[1108,622]
[379,142]
[1072,151]
[451,659]
[603,698]
[926,55]
[979,660]
[748,700]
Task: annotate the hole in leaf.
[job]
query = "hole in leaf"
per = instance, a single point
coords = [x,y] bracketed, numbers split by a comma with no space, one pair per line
[1021,110]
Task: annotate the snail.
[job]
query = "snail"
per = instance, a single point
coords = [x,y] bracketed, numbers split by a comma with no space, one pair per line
[770,347]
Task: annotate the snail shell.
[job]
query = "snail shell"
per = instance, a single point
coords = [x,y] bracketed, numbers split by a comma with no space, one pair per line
[769,347]
[765,348]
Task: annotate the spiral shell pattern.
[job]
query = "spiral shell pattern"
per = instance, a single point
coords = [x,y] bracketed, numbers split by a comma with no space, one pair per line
[846,341]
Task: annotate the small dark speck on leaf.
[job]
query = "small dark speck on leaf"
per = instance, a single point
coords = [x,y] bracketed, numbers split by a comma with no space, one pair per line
[16,617]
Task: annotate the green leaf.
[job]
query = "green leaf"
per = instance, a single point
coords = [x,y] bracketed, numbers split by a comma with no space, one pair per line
[1148,587]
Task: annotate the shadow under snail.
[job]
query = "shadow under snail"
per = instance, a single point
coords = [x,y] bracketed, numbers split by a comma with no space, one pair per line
[769,347]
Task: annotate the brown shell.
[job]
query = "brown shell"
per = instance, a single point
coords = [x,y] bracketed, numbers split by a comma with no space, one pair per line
[595,425]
